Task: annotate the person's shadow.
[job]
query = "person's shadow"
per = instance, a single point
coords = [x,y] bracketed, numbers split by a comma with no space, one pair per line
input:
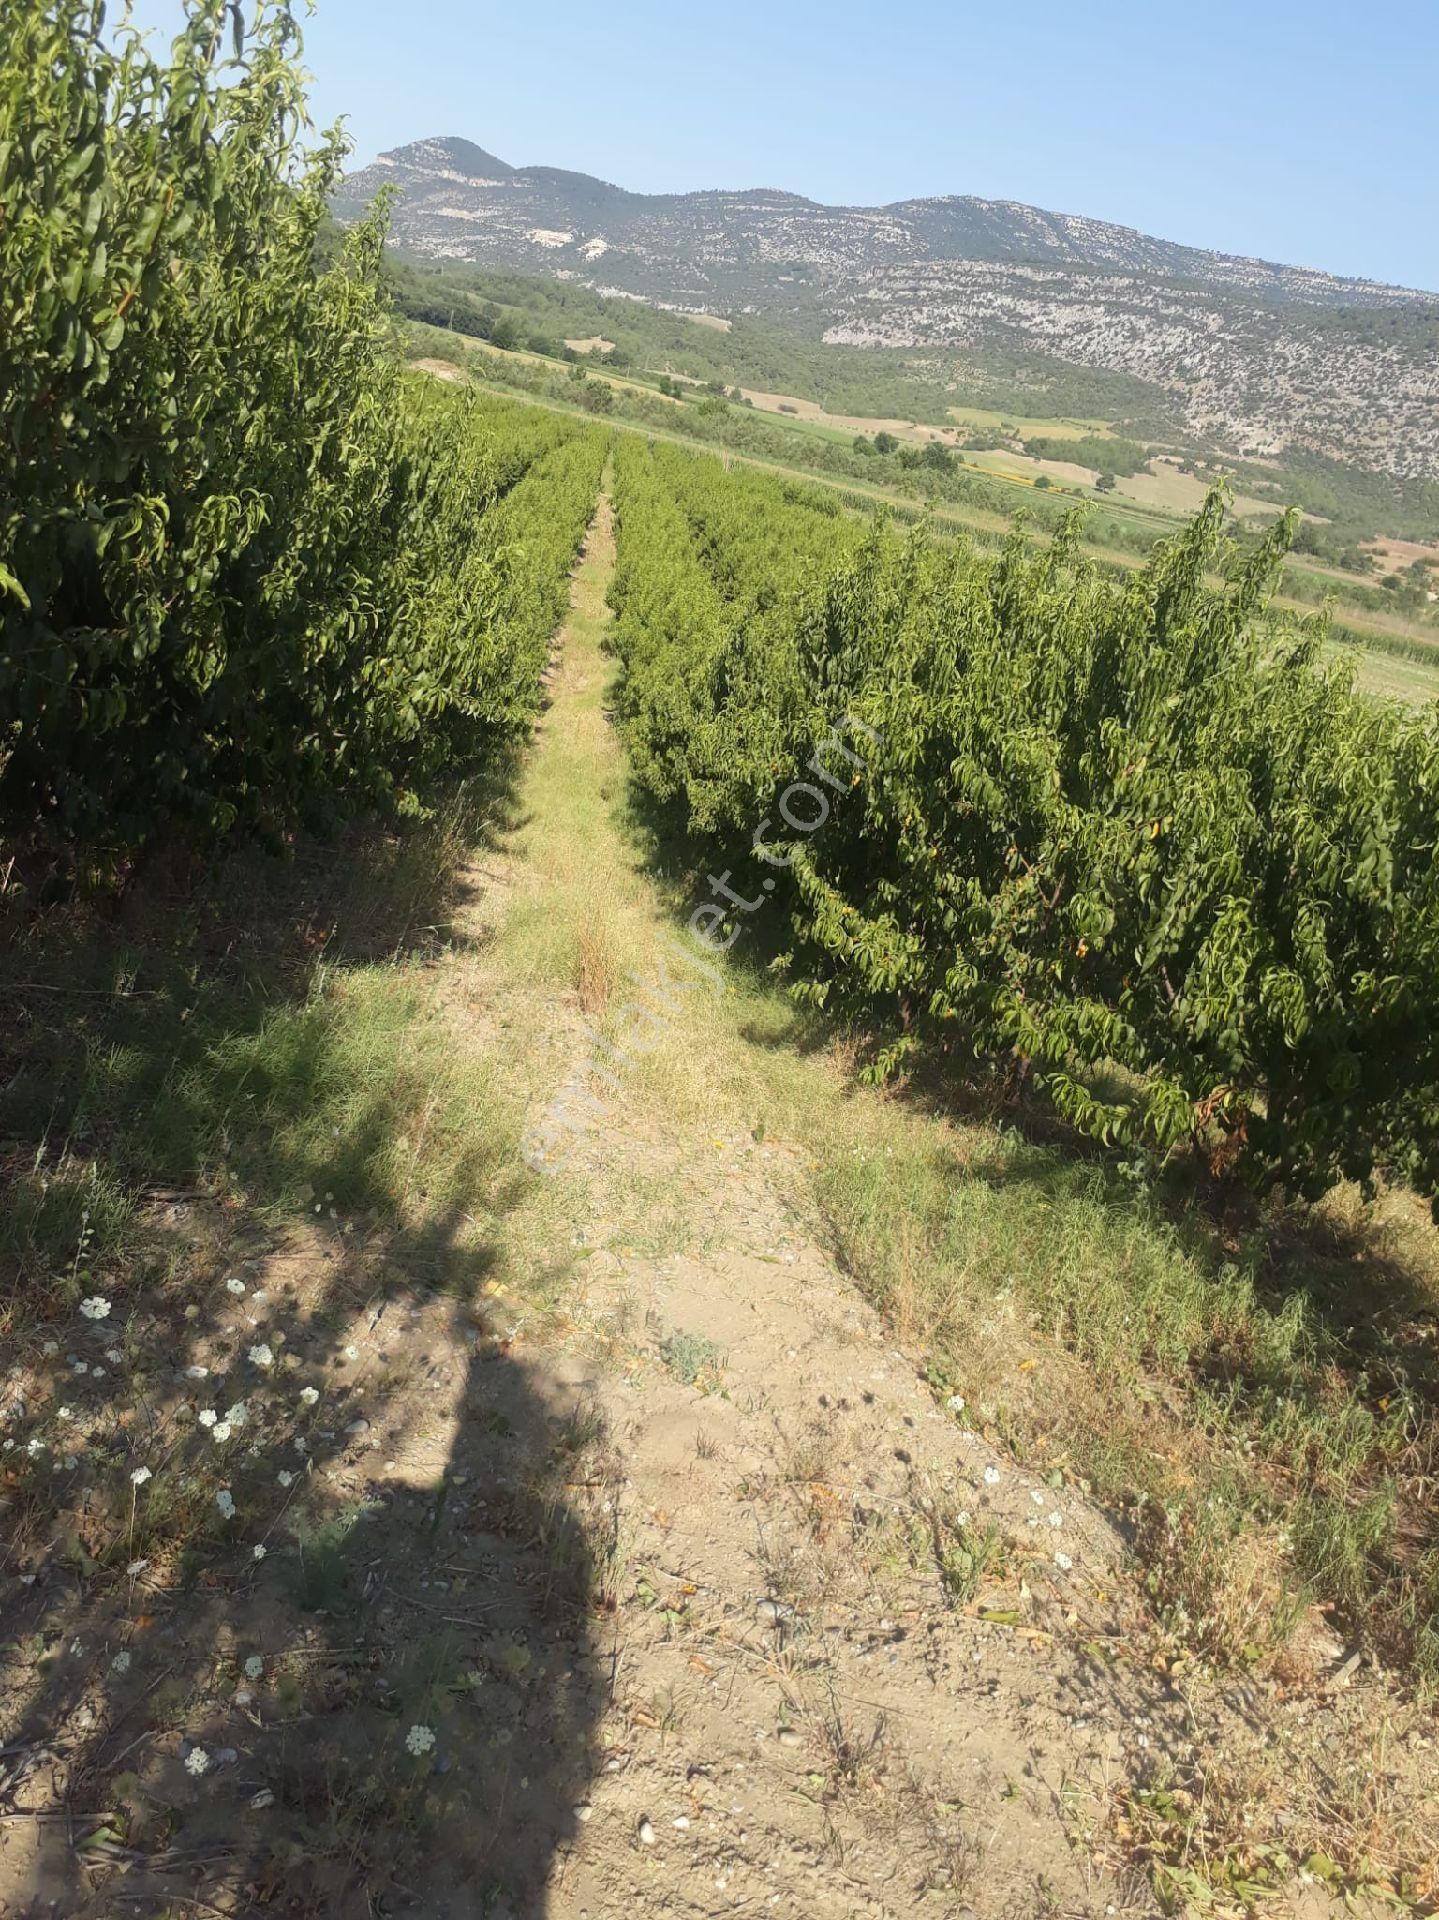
[418,1734]
[414,1731]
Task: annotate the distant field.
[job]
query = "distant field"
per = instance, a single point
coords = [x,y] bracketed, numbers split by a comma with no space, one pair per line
[1181,493]
[846,423]
[1027,468]
[981,420]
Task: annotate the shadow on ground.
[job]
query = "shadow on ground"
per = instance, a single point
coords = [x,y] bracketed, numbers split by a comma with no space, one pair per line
[224,1115]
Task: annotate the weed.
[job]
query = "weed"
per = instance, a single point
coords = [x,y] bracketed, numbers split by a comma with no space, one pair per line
[694,1360]
[323,1574]
[964,1554]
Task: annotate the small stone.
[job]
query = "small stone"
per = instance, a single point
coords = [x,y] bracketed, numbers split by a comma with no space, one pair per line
[584,1812]
[788,1737]
[682,1825]
[769,1610]
[647,1834]
[358,1426]
[264,1798]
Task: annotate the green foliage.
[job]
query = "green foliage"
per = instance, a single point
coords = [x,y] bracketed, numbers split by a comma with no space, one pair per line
[701,591]
[1126,836]
[246,560]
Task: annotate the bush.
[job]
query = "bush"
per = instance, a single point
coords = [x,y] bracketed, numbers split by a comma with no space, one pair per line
[245,558]
[1128,837]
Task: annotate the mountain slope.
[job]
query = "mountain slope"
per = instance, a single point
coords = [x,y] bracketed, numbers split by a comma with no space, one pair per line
[1259,357]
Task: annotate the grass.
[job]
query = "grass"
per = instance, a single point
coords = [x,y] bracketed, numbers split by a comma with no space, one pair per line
[1263,1402]
[267,1039]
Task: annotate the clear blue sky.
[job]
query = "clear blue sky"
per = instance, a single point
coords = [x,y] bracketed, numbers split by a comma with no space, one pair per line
[1304,133]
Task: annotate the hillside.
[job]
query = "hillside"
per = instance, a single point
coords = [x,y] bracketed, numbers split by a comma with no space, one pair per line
[1253,357]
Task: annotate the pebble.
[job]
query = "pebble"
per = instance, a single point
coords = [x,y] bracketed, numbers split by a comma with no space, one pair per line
[264,1798]
[584,1812]
[358,1426]
[788,1737]
[647,1834]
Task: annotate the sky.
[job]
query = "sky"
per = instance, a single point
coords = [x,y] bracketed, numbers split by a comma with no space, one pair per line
[1306,133]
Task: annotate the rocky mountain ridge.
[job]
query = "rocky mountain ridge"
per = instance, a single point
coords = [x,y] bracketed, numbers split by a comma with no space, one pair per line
[1257,357]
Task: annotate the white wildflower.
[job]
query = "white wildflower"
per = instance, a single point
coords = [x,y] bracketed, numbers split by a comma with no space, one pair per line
[1036,1496]
[225,1501]
[238,1414]
[309,1396]
[50,1348]
[66,1413]
[114,1356]
[352,1353]
[220,1433]
[121,1663]
[258,1554]
[97,1373]
[261,1355]
[207,1416]
[96,1307]
[1056,1519]
[955,1403]
[80,1366]
[254,1667]
[136,1567]
[197,1761]
[235,1286]
[1063,1562]
[285,1477]
[991,1476]
[420,1740]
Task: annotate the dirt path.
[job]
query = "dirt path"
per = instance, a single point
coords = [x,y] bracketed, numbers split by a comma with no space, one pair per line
[821,1695]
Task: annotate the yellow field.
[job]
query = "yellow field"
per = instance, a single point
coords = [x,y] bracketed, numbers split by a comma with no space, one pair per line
[1182,493]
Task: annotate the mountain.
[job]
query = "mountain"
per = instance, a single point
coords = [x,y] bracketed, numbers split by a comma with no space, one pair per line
[1256,357]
